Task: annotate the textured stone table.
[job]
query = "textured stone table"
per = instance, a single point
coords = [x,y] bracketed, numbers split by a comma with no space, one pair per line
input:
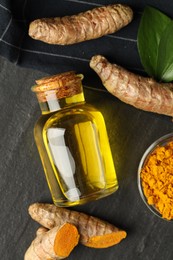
[22,180]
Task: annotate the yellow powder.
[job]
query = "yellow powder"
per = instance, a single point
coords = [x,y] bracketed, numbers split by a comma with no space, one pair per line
[157,180]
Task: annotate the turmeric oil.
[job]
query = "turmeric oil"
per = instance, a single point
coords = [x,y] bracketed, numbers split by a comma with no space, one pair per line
[72,141]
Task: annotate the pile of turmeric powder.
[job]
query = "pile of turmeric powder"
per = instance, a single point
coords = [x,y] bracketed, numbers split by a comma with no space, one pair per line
[157,180]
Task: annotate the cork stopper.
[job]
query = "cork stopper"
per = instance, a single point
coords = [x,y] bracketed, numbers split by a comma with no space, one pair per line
[61,85]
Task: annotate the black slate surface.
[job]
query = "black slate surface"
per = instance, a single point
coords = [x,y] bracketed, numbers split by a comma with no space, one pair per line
[131,131]
[22,180]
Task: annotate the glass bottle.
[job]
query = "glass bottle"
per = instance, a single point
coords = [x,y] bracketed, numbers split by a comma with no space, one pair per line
[72,142]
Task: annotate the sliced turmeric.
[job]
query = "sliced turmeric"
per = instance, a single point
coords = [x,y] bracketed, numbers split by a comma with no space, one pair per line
[157,180]
[141,92]
[84,26]
[93,231]
[53,244]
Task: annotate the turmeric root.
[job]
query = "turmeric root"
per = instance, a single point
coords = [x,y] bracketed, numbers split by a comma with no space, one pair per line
[84,26]
[141,92]
[54,244]
[93,231]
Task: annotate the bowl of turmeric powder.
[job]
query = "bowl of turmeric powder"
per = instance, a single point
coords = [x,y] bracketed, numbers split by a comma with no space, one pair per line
[155,177]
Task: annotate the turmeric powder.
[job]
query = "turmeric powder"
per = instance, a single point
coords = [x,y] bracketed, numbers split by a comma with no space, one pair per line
[157,180]
[93,231]
[53,244]
[81,27]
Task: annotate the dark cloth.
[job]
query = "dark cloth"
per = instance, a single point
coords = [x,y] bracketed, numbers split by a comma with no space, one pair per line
[19,48]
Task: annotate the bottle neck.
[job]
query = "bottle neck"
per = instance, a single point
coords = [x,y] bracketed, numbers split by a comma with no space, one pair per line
[59,91]
[53,104]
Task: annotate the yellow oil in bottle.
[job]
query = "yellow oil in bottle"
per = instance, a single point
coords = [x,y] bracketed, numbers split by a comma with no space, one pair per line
[74,148]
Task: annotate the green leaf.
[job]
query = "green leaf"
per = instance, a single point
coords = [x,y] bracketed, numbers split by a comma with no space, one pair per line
[165,55]
[152,26]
